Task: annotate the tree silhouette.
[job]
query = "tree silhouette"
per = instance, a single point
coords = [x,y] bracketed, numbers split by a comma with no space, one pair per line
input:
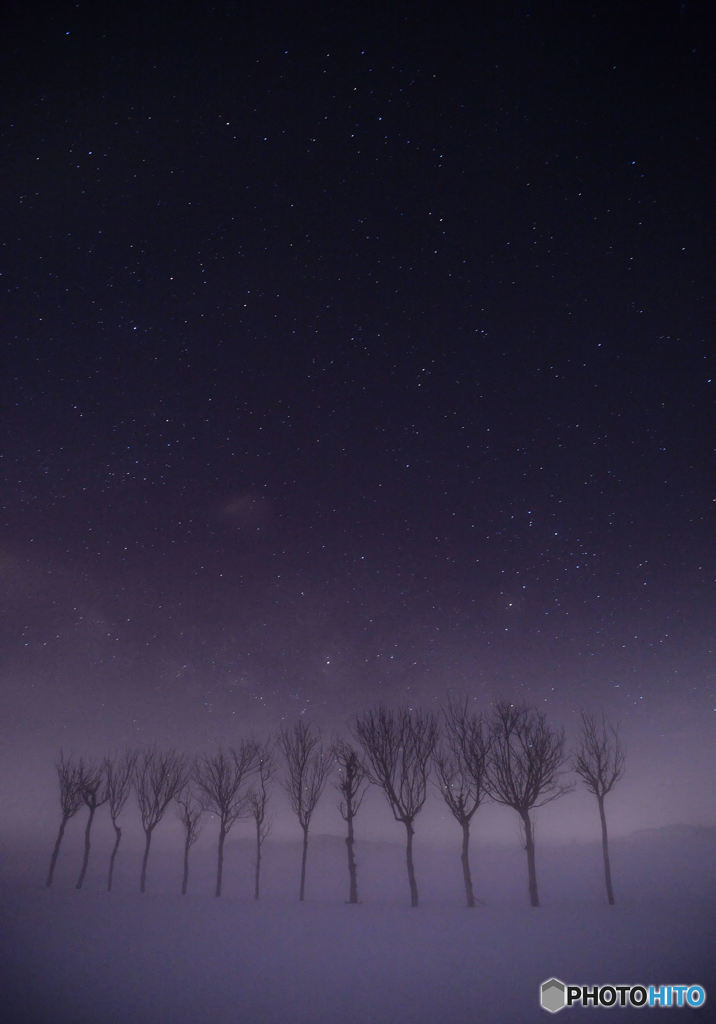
[93,790]
[460,760]
[159,775]
[119,775]
[525,762]
[189,814]
[69,778]
[258,801]
[308,765]
[599,761]
[220,782]
[352,787]
[398,746]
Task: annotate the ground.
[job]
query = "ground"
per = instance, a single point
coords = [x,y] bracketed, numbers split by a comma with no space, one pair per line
[95,958]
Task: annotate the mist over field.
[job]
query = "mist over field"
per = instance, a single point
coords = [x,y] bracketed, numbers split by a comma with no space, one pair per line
[91,957]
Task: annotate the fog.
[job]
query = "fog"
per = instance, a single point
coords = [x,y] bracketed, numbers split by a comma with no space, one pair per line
[98,957]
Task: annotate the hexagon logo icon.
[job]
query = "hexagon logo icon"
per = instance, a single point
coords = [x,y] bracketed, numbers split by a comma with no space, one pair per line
[552,995]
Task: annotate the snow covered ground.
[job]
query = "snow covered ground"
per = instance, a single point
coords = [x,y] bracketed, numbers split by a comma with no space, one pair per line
[90,957]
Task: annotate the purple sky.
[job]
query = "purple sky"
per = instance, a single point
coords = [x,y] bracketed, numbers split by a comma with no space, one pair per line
[356,358]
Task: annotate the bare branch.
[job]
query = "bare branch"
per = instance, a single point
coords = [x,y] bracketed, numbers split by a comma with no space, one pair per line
[526,759]
[258,795]
[93,783]
[119,772]
[158,776]
[69,778]
[599,759]
[460,761]
[220,781]
[189,812]
[308,765]
[352,778]
[398,746]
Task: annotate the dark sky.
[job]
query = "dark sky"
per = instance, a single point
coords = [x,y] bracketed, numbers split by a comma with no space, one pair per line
[357,354]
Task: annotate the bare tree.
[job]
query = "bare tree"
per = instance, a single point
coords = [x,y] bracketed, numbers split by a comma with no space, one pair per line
[599,761]
[69,778]
[308,765]
[460,760]
[352,784]
[93,789]
[220,782]
[524,769]
[189,814]
[398,747]
[258,801]
[158,776]
[119,774]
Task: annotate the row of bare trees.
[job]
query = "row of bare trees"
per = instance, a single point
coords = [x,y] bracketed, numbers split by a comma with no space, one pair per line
[212,783]
[512,756]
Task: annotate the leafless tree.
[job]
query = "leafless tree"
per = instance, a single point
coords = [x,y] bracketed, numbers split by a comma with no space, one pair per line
[119,773]
[258,802]
[351,785]
[460,760]
[189,813]
[220,780]
[308,765]
[93,789]
[158,776]
[599,761]
[398,747]
[524,769]
[68,776]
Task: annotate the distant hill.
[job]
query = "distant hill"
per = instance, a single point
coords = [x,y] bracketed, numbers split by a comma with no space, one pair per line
[674,832]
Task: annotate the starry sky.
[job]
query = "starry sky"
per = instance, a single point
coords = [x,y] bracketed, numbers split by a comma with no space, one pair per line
[357,354]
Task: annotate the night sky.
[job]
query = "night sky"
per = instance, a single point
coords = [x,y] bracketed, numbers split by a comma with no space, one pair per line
[356,354]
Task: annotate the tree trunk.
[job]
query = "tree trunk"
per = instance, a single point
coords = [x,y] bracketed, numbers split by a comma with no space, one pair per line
[53,859]
[85,859]
[185,878]
[411,867]
[220,862]
[257,871]
[302,891]
[465,858]
[605,853]
[531,867]
[352,869]
[118,836]
[145,858]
